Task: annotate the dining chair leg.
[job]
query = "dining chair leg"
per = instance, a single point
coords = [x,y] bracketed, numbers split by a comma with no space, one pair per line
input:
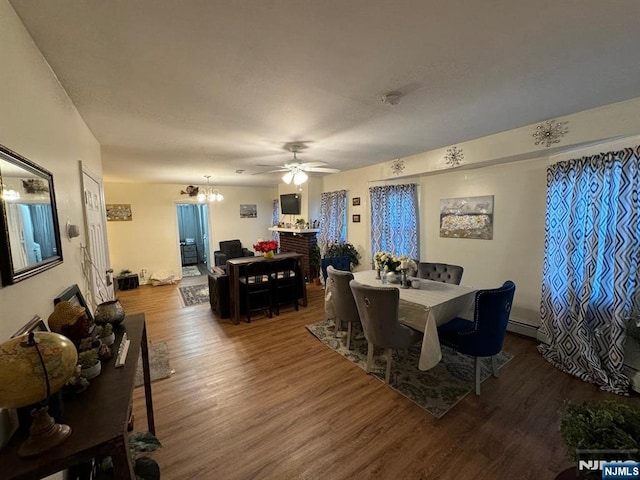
[336,329]
[387,374]
[349,335]
[478,369]
[494,365]
[369,357]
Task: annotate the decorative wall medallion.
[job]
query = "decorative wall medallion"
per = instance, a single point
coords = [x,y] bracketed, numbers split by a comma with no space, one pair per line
[454,156]
[550,132]
[397,167]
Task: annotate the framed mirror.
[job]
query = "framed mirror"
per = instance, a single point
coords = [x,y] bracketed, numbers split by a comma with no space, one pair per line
[29,230]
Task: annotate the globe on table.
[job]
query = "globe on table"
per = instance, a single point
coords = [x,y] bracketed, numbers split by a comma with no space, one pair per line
[24,381]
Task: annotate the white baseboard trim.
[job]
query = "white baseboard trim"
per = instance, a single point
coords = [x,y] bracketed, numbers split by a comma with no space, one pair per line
[522,328]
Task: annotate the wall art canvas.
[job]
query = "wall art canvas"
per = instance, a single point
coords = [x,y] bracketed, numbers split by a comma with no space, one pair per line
[248,211]
[120,212]
[467,217]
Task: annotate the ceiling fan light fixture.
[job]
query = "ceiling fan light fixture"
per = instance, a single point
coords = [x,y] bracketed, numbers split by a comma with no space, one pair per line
[287,177]
[300,177]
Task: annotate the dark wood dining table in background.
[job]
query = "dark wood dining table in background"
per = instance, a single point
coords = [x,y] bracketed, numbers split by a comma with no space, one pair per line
[234,270]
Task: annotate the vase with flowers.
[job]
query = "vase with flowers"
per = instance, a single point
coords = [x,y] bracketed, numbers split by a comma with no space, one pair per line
[391,266]
[266,247]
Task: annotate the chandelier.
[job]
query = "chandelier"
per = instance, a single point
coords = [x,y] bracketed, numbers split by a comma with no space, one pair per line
[296,174]
[204,194]
[207,194]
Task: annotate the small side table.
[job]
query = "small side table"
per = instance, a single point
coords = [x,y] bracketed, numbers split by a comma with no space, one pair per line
[128,282]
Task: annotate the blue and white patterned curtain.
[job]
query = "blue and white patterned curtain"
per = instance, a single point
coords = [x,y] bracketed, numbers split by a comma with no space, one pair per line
[333,219]
[394,220]
[275,219]
[590,273]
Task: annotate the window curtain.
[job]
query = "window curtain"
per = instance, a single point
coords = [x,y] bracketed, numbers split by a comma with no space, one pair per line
[394,220]
[275,219]
[333,219]
[190,225]
[43,233]
[590,272]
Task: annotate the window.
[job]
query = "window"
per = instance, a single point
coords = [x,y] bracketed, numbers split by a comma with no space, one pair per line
[394,220]
[333,218]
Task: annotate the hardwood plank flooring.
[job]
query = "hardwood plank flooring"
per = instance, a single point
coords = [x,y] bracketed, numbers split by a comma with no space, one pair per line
[267,400]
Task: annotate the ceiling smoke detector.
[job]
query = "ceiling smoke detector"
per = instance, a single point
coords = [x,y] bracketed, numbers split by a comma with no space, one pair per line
[391,98]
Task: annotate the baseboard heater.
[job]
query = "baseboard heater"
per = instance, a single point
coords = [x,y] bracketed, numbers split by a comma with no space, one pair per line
[522,328]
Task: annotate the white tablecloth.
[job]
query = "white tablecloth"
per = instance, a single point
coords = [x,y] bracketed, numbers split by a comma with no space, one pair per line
[424,309]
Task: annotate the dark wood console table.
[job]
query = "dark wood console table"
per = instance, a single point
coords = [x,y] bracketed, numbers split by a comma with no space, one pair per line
[98,417]
[234,270]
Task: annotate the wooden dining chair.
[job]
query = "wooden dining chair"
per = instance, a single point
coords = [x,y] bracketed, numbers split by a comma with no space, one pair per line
[286,276]
[256,287]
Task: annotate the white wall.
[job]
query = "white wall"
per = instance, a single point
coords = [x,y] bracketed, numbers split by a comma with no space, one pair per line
[151,241]
[39,122]
[517,249]
[507,165]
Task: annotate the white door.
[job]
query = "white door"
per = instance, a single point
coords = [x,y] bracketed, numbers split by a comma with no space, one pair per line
[96,254]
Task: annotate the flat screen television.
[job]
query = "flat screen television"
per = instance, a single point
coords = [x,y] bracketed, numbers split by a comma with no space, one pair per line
[290,204]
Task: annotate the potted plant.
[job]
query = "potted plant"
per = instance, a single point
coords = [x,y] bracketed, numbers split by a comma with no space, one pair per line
[300,223]
[606,425]
[314,263]
[89,363]
[106,334]
[344,249]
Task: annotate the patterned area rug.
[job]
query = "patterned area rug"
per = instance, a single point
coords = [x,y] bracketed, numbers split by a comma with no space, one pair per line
[194,294]
[158,363]
[436,390]
[191,271]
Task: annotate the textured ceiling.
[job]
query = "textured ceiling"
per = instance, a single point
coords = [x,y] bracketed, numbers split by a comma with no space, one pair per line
[175,90]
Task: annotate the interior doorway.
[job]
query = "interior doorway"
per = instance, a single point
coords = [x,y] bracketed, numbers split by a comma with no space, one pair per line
[193,230]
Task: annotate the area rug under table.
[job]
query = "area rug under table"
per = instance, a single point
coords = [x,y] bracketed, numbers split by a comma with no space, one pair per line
[436,390]
[159,366]
[194,294]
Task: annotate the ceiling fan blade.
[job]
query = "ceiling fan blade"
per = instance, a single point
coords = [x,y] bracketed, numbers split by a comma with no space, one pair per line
[313,164]
[320,169]
[279,170]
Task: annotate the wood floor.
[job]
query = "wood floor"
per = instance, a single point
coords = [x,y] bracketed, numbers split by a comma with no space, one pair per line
[267,400]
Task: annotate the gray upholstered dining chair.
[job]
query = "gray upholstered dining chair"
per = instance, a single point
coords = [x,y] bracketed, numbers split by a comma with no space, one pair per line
[343,303]
[378,309]
[440,272]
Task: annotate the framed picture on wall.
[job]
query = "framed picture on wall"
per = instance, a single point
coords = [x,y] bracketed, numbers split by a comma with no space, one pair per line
[36,324]
[467,217]
[248,211]
[355,201]
[74,296]
[356,218]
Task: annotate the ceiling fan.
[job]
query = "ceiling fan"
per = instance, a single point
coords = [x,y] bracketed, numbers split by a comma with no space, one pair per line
[295,170]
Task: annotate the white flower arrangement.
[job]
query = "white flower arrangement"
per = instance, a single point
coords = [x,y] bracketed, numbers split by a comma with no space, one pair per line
[384,260]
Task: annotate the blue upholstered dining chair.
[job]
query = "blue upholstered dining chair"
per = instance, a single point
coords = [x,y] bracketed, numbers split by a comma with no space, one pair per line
[484,336]
[378,309]
[339,263]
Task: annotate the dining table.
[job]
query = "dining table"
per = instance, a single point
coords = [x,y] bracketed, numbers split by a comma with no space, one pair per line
[426,308]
